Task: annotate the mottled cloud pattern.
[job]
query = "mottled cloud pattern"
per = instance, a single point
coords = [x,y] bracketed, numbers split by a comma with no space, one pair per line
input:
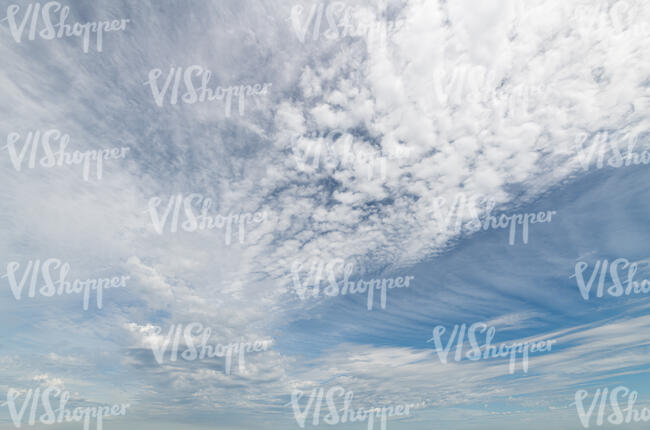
[351,152]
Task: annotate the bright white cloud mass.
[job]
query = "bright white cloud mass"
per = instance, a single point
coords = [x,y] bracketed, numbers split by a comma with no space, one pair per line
[272,173]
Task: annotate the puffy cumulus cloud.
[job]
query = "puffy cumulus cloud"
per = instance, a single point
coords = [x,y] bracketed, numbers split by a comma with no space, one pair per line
[46,381]
[483,97]
[479,113]
[207,384]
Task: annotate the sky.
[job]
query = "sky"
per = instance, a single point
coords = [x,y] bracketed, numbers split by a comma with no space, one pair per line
[354,141]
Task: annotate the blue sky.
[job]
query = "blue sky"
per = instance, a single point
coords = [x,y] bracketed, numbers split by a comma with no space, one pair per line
[445,87]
